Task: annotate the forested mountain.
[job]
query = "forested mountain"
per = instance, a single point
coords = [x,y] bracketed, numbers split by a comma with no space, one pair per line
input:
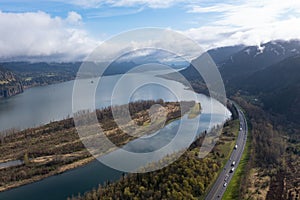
[270,72]
[278,87]
[221,54]
[255,58]
[218,55]
[239,61]
[42,73]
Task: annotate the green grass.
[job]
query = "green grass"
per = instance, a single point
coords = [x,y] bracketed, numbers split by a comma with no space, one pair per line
[232,191]
[229,148]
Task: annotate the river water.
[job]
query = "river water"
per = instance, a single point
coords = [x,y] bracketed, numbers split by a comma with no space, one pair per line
[41,105]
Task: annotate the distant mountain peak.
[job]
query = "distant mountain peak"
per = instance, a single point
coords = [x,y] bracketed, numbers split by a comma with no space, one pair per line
[254,58]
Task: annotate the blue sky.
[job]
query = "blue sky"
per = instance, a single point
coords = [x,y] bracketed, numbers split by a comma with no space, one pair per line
[67,31]
[108,19]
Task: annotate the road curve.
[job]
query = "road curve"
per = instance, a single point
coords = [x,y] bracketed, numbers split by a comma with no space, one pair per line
[218,189]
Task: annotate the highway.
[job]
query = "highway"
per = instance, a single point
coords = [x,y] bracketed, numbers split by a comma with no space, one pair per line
[218,189]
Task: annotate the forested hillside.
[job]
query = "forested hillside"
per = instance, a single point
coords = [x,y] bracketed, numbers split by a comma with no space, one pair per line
[255,58]
[42,73]
[278,87]
[268,75]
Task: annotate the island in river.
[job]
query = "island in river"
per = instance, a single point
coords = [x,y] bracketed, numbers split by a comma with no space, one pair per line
[56,147]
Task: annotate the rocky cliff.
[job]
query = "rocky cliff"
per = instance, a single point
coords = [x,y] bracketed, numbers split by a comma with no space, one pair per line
[10,84]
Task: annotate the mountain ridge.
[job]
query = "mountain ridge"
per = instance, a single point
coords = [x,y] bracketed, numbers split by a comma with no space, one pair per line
[269,72]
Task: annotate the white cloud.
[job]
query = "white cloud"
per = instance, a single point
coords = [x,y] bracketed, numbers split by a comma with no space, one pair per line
[38,35]
[142,42]
[87,3]
[74,18]
[249,22]
[127,3]
[149,3]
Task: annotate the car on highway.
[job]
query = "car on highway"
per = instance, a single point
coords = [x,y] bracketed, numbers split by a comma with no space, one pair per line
[226,177]
[233,163]
[232,170]
[236,146]
[225,184]
[241,129]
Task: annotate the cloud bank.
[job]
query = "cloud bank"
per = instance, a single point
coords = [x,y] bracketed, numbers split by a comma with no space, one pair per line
[247,22]
[38,35]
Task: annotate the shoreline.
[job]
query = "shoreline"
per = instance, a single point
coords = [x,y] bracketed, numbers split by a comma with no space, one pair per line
[63,169]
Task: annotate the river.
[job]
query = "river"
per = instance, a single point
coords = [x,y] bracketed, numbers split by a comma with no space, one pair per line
[41,105]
